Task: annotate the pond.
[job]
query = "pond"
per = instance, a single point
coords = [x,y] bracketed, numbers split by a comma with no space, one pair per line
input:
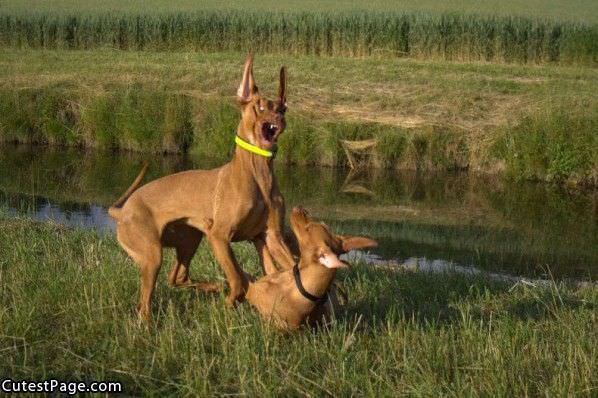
[474,222]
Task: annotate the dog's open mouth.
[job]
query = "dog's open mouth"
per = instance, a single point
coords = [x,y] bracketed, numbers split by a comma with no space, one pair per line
[269,133]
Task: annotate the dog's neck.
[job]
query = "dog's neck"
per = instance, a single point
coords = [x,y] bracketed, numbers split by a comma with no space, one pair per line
[256,167]
[315,277]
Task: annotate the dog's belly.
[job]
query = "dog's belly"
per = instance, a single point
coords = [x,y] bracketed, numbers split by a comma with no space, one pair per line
[178,233]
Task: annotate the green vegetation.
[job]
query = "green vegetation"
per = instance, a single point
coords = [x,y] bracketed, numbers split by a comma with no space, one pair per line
[425,115]
[64,80]
[553,146]
[450,36]
[67,299]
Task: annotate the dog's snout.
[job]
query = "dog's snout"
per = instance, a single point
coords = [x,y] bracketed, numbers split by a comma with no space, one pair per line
[300,210]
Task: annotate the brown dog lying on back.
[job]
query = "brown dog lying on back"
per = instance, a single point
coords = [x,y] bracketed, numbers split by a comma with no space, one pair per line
[303,294]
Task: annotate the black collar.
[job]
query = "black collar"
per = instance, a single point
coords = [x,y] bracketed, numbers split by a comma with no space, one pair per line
[305,293]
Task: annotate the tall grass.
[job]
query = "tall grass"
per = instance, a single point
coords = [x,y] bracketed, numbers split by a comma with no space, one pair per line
[449,36]
[552,145]
[147,119]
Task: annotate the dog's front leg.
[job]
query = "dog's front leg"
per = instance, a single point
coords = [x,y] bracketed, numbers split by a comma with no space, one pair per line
[237,280]
[278,248]
[265,257]
[275,243]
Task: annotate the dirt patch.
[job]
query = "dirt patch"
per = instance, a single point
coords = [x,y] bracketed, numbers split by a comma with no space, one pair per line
[362,114]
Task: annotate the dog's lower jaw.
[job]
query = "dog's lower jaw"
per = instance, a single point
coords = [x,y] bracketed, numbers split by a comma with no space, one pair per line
[268,145]
[269,133]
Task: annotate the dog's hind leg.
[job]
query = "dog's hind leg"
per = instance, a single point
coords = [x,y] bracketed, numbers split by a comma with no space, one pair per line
[179,274]
[142,244]
[185,250]
[150,266]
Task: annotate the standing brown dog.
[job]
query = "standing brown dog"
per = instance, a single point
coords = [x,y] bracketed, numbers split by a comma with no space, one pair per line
[238,201]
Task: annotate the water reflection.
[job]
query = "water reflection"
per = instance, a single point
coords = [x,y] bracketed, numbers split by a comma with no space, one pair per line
[523,229]
[66,213]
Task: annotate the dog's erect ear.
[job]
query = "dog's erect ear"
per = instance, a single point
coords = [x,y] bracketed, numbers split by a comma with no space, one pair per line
[282,89]
[331,260]
[247,88]
[356,242]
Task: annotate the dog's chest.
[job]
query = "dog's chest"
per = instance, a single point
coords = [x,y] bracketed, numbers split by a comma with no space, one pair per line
[252,220]
[276,297]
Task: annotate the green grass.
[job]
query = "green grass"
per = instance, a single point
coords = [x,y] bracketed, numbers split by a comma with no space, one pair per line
[426,115]
[457,31]
[552,151]
[67,299]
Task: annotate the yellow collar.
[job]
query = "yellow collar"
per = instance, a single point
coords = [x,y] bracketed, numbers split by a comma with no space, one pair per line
[252,148]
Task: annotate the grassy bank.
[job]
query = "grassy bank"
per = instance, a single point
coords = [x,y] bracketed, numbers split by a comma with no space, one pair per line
[67,298]
[345,30]
[533,122]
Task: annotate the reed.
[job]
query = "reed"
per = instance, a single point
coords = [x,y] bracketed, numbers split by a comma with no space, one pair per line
[446,36]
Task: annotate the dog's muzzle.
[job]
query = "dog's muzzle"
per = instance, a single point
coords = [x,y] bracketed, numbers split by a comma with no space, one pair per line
[270,131]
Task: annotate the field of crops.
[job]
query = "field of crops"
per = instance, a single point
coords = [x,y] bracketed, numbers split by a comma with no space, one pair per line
[570,10]
[402,32]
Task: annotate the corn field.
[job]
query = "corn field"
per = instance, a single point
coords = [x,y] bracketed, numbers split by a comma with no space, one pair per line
[451,36]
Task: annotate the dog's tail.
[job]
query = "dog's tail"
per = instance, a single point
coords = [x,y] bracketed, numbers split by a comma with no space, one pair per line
[114,210]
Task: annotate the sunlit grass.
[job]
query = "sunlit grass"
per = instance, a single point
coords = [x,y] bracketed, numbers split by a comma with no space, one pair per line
[67,299]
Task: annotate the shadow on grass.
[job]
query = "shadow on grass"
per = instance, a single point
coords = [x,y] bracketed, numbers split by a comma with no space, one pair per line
[380,297]
[387,297]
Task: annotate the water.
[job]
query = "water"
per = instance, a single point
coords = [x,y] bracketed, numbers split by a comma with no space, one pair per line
[476,222]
